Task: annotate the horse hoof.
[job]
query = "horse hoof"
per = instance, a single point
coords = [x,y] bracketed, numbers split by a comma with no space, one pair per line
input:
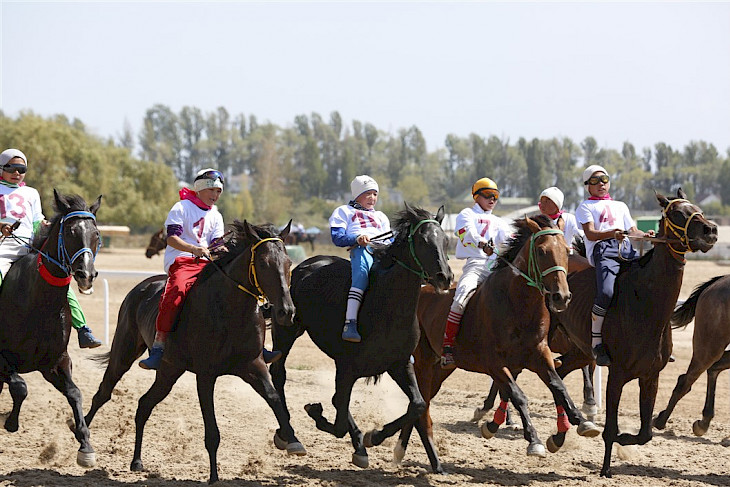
[367,440]
[698,429]
[279,443]
[296,448]
[588,429]
[136,466]
[314,410]
[552,446]
[478,414]
[486,432]
[536,450]
[590,410]
[361,461]
[399,453]
[86,460]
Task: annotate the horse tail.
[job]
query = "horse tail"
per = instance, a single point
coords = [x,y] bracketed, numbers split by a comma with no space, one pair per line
[374,379]
[101,358]
[686,311]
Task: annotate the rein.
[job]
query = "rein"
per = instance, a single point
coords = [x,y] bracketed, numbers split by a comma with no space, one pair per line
[421,272]
[261,298]
[669,226]
[534,275]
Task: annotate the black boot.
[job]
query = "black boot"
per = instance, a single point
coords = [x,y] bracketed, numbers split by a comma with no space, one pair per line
[600,354]
[270,357]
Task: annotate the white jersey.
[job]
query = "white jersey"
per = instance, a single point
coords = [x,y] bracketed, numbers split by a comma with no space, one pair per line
[359,222]
[199,227]
[605,215]
[474,225]
[571,227]
[22,204]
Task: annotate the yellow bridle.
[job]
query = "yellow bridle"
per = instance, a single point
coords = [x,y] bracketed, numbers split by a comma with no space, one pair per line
[261,296]
[669,226]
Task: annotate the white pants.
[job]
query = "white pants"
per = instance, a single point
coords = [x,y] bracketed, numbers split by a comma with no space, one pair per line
[10,251]
[474,273]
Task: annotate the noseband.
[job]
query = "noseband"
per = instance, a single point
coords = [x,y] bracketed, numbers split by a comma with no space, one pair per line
[679,231]
[66,260]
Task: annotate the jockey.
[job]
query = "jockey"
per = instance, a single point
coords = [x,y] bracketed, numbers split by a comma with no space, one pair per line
[19,202]
[606,223]
[353,225]
[475,227]
[551,205]
[193,224]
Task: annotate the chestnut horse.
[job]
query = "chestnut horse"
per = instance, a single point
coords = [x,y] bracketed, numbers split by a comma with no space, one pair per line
[504,330]
[636,329]
[709,305]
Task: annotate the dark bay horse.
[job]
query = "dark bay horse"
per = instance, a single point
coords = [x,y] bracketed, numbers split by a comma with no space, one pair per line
[636,329]
[504,330]
[709,305]
[220,331]
[35,321]
[157,244]
[387,321]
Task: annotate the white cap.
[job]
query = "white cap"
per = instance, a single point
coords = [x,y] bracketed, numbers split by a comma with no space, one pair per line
[592,169]
[9,154]
[361,184]
[555,195]
[205,182]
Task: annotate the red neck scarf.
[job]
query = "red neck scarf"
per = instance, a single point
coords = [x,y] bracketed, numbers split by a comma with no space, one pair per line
[607,197]
[189,194]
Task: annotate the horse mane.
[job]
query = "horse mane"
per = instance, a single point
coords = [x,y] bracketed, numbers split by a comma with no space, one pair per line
[75,203]
[401,229]
[515,243]
[236,243]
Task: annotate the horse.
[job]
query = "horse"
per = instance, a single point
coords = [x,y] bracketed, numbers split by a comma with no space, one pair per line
[36,321]
[387,321]
[504,329]
[636,329]
[220,331]
[157,244]
[709,306]
[297,238]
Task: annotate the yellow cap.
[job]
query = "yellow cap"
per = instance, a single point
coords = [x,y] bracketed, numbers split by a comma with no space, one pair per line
[484,184]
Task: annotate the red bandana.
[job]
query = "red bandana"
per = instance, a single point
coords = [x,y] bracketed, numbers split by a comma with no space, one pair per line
[607,197]
[189,194]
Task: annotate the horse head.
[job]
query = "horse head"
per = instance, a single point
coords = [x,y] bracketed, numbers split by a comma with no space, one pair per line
[78,239]
[269,267]
[547,261]
[157,243]
[684,225]
[427,245]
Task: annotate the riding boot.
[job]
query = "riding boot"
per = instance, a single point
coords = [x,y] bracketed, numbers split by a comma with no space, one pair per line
[600,351]
[453,323]
[87,339]
[153,361]
[271,356]
[349,332]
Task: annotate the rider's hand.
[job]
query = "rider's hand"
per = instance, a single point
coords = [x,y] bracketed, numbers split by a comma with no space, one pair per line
[619,235]
[201,252]
[363,240]
[6,229]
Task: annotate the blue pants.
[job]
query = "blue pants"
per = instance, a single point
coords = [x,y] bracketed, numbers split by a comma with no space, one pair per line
[361,261]
[608,264]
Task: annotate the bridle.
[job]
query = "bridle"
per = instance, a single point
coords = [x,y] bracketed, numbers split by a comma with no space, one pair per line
[678,231]
[534,276]
[66,260]
[421,272]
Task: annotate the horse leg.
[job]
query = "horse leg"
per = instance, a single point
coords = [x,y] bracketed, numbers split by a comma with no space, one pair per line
[60,378]
[166,377]
[341,402]
[18,391]
[479,413]
[647,397]
[283,339]
[206,387]
[259,379]
[700,427]
[684,385]
[590,408]
[126,349]
[614,387]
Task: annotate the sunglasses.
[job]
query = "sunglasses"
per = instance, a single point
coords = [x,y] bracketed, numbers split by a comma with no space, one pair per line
[212,175]
[11,168]
[603,178]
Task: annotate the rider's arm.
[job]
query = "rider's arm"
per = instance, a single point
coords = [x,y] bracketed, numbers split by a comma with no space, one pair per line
[178,243]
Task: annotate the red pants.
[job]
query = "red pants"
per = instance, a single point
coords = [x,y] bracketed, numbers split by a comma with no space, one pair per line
[180,277]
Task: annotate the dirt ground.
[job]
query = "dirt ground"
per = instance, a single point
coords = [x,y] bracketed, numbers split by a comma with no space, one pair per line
[43,451]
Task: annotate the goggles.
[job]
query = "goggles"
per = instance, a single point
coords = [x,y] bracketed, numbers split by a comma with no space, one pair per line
[213,175]
[603,178]
[488,194]
[11,168]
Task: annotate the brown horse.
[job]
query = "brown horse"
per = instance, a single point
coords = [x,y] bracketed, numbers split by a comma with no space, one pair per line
[504,330]
[158,242]
[636,329]
[709,305]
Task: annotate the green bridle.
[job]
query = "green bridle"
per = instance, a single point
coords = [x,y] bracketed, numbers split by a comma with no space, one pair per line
[534,275]
[421,272]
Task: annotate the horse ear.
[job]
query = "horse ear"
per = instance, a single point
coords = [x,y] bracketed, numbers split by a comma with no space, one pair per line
[681,194]
[61,203]
[440,214]
[410,211]
[663,201]
[532,224]
[286,231]
[250,231]
[95,207]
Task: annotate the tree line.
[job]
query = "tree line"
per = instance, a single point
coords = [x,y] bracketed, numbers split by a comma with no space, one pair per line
[303,170]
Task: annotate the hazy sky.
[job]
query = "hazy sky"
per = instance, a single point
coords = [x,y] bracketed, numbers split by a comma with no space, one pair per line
[648,72]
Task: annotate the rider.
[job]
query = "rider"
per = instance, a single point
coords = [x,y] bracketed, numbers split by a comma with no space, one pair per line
[475,227]
[353,225]
[193,224]
[19,202]
[551,205]
[606,223]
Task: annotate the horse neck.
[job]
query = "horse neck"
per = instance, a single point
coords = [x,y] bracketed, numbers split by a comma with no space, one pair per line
[397,286]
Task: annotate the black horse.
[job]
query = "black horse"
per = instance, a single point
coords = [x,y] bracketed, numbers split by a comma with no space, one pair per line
[220,331]
[157,244]
[35,322]
[387,321]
